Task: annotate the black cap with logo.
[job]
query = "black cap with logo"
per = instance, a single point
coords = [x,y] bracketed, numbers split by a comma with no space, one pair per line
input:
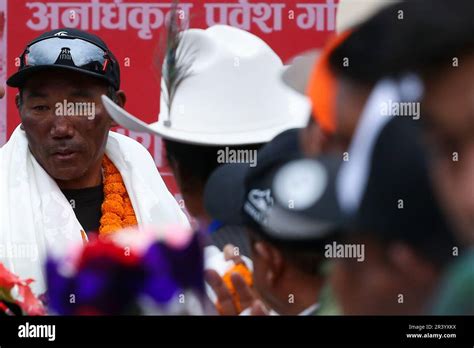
[289,198]
[68,49]
[398,200]
[300,201]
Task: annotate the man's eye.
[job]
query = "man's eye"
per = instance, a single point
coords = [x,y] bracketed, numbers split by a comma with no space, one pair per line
[41,108]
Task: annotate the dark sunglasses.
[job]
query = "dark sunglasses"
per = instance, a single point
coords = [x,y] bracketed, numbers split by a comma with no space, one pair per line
[68,51]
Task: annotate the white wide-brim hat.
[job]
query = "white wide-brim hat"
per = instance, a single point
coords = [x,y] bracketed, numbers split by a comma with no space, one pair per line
[233,96]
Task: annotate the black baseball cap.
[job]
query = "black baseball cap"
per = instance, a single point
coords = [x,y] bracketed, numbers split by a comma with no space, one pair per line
[67,49]
[290,199]
[398,201]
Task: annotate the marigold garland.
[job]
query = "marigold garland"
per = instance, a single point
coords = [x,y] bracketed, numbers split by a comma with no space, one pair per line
[117,209]
[245,273]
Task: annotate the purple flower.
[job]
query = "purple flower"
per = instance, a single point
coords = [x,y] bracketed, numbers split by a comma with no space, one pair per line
[106,282]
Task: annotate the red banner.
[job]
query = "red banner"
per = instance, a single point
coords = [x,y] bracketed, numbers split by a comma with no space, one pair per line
[132,29]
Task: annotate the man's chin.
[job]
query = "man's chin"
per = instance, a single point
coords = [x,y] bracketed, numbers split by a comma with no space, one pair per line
[65,174]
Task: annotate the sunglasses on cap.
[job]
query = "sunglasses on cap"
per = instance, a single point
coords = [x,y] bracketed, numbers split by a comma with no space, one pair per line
[66,51]
[69,52]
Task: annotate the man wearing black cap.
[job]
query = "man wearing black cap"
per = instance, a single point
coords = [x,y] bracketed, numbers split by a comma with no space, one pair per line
[64,174]
[395,216]
[389,213]
[444,60]
[287,245]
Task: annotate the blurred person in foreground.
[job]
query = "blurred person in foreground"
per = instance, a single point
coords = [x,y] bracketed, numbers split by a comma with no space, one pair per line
[287,245]
[444,59]
[64,175]
[384,189]
[391,213]
[221,100]
[383,46]
[389,254]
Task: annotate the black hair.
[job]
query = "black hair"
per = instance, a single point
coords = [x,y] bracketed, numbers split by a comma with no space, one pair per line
[112,93]
[197,162]
[416,36]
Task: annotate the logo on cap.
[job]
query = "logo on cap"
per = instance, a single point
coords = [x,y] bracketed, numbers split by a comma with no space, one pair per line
[258,204]
[61,33]
[261,199]
[302,182]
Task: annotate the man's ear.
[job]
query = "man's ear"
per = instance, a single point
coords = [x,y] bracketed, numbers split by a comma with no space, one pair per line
[18,106]
[18,101]
[273,261]
[121,98]
[409,264]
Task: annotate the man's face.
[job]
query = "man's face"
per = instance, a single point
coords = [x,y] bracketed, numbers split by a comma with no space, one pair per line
[350,102]
[68,142]
[262,268]
[387,282]
[448,110]
[363,287]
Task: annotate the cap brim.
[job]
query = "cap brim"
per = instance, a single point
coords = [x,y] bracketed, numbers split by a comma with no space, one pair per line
[287,226]
[19,78]
[224,194]
[298,73]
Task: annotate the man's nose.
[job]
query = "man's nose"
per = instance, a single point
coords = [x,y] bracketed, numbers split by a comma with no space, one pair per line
[62,127]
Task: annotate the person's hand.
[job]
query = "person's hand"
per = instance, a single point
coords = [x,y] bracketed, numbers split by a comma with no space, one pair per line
[225,301]
[246,295]
[231,255]
[2,92]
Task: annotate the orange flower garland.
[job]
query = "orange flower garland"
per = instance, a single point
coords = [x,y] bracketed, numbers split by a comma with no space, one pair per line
[117,209]
[245,273]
